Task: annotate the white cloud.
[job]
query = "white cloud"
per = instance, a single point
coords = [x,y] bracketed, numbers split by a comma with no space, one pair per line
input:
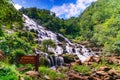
[70,10]
[17,6]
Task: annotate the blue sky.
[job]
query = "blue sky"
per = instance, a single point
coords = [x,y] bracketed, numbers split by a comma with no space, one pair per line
[62,8]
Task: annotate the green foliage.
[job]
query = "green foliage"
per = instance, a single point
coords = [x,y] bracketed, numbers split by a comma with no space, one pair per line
[43,61]
[19,52]
[82,69]
[11,42]
[26,35]
[99,24]
[68,58]
[9,15]
[46,44]
[117,47]
[51,73]
[7,74]
[1,31]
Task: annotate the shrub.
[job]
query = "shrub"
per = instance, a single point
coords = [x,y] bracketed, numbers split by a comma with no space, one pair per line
[51,73]
[8,72]
[47,43]
[116,47]
[82,68]
[43,61]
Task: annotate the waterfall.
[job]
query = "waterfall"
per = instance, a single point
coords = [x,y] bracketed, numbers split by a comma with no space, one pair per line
[51,60]
[68,47]
[59,50]
[55,61]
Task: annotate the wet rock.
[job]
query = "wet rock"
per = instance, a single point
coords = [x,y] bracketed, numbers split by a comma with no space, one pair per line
[32,73]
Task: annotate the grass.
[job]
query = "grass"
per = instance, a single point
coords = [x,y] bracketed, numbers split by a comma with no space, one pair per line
[51,73]
[82,69]
[9,72]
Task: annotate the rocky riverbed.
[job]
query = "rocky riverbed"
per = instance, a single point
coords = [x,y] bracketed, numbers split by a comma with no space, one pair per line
[92,69]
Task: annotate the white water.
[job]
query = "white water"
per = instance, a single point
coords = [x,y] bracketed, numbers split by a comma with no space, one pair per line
[43,34]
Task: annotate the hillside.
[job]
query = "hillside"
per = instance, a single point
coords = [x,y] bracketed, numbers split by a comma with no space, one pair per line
[9,15]
[99,24]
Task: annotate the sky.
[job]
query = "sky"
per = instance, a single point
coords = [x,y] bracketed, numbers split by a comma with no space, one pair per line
[63,8]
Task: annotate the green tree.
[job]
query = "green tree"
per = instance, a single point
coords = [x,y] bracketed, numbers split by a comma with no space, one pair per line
[46,44]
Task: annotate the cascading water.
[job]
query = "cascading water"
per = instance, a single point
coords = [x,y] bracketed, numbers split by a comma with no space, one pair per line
[70,48]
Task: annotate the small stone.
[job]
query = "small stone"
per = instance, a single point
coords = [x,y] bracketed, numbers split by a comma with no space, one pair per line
[96,59]
[32,73]
[105,68]
[101,73]
[47,77]
[78,61]
[22,78]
